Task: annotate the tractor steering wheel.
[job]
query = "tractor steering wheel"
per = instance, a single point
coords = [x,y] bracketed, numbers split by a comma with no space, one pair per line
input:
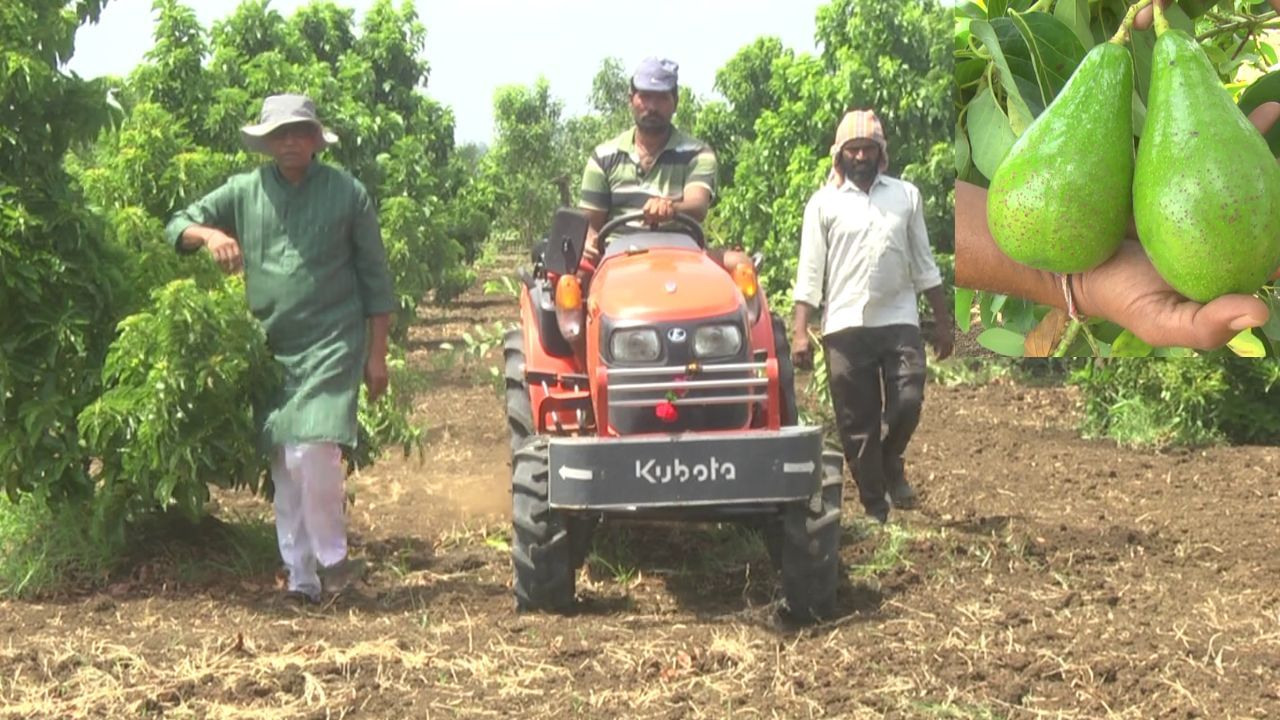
[683,224]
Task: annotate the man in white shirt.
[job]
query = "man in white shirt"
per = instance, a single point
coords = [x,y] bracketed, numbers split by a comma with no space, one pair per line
[864,256]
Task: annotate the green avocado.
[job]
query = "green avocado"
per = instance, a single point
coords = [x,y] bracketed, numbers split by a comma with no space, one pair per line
[1206,189]
[1060,200]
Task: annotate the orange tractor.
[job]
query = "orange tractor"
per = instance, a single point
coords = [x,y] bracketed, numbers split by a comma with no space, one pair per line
[665,393]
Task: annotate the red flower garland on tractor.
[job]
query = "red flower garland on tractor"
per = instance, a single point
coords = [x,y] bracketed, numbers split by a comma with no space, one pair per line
[666,410]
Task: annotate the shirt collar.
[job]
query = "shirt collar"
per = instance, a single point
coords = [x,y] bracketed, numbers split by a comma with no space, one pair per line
[312,169]
[848,186]
[627,142]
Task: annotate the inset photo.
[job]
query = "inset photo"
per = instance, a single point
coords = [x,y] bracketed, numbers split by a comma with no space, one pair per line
[1117,188]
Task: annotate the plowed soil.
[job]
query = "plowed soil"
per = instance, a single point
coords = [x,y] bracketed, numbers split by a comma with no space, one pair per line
[1042,576]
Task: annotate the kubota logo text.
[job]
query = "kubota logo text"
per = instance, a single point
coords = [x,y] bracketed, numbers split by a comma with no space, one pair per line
[676,471]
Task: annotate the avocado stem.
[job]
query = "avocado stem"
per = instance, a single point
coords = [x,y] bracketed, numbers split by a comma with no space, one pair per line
[1161,23]
[1126,25]
[1073,329]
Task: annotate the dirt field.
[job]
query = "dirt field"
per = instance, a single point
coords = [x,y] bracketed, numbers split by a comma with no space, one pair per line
[1043,576]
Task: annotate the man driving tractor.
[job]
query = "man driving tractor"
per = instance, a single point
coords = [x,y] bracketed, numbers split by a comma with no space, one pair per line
[670,394]
[654,167]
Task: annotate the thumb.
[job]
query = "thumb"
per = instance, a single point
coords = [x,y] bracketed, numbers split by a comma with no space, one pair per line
[1213,325]
[1265,115]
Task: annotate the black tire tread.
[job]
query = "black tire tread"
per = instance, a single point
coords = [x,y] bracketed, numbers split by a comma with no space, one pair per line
[810,548]
[786,373]
[519,407]
[541,546]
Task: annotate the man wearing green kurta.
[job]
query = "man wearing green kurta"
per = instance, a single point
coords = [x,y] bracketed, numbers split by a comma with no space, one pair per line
[306,235]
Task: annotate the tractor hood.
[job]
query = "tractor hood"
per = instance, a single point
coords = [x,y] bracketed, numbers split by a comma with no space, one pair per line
[664,284]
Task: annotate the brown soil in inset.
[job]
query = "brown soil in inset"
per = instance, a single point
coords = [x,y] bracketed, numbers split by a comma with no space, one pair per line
[1043,576]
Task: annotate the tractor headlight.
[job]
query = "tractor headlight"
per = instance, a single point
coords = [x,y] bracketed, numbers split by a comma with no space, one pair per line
[637,345]
[711,341]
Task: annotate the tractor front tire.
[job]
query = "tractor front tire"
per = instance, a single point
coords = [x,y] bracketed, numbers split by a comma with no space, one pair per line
[542,549]
[810,547]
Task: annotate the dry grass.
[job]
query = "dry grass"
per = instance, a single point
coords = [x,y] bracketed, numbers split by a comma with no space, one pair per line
[971,625]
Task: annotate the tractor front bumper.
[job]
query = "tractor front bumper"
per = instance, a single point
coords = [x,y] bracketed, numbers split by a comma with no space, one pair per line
[685,470]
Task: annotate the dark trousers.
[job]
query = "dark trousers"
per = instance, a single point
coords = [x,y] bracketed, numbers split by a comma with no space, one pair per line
[876,376]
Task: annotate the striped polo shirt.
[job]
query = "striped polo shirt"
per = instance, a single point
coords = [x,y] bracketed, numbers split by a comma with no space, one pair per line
[614,180]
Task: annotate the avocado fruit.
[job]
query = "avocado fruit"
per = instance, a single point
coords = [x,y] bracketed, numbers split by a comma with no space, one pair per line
[1206,189]
[1060,200]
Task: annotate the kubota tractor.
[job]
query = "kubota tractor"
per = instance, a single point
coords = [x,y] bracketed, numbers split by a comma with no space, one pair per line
[666,392]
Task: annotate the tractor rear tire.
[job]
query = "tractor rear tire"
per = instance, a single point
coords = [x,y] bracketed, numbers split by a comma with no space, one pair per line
[810,547]
[786,373]
[519,406]
[771,528]
[542,549]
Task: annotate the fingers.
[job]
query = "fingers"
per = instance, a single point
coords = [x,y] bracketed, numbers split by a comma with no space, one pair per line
[1222,319]
[658,211]
[226,252]
[942,348]
[229,258]
[943,345]
[802,359]
[1265,115]
[1146,16]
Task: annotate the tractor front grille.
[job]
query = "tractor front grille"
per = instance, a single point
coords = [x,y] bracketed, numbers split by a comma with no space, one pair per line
[705,397]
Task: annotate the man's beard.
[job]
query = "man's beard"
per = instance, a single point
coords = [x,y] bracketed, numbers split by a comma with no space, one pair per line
[652,122]
[860,172]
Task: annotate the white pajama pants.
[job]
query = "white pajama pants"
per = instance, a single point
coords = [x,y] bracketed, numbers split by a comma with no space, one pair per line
[310,517]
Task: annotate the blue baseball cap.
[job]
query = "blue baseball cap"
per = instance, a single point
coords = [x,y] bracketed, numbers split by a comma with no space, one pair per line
[656,75]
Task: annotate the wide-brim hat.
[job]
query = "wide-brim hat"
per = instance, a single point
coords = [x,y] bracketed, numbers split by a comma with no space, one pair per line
[280,110]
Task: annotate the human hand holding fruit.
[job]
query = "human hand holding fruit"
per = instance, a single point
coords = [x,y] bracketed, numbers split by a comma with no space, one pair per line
[1126,289]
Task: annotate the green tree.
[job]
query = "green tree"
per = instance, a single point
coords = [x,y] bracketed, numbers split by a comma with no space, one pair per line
[611,95]
[774,129]
[746,82]
[55,278]
[174,76]
[528,156]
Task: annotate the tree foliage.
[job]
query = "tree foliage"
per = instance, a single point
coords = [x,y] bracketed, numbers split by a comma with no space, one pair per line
[175,414]
[55,281]
[114,347]
[527,158]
